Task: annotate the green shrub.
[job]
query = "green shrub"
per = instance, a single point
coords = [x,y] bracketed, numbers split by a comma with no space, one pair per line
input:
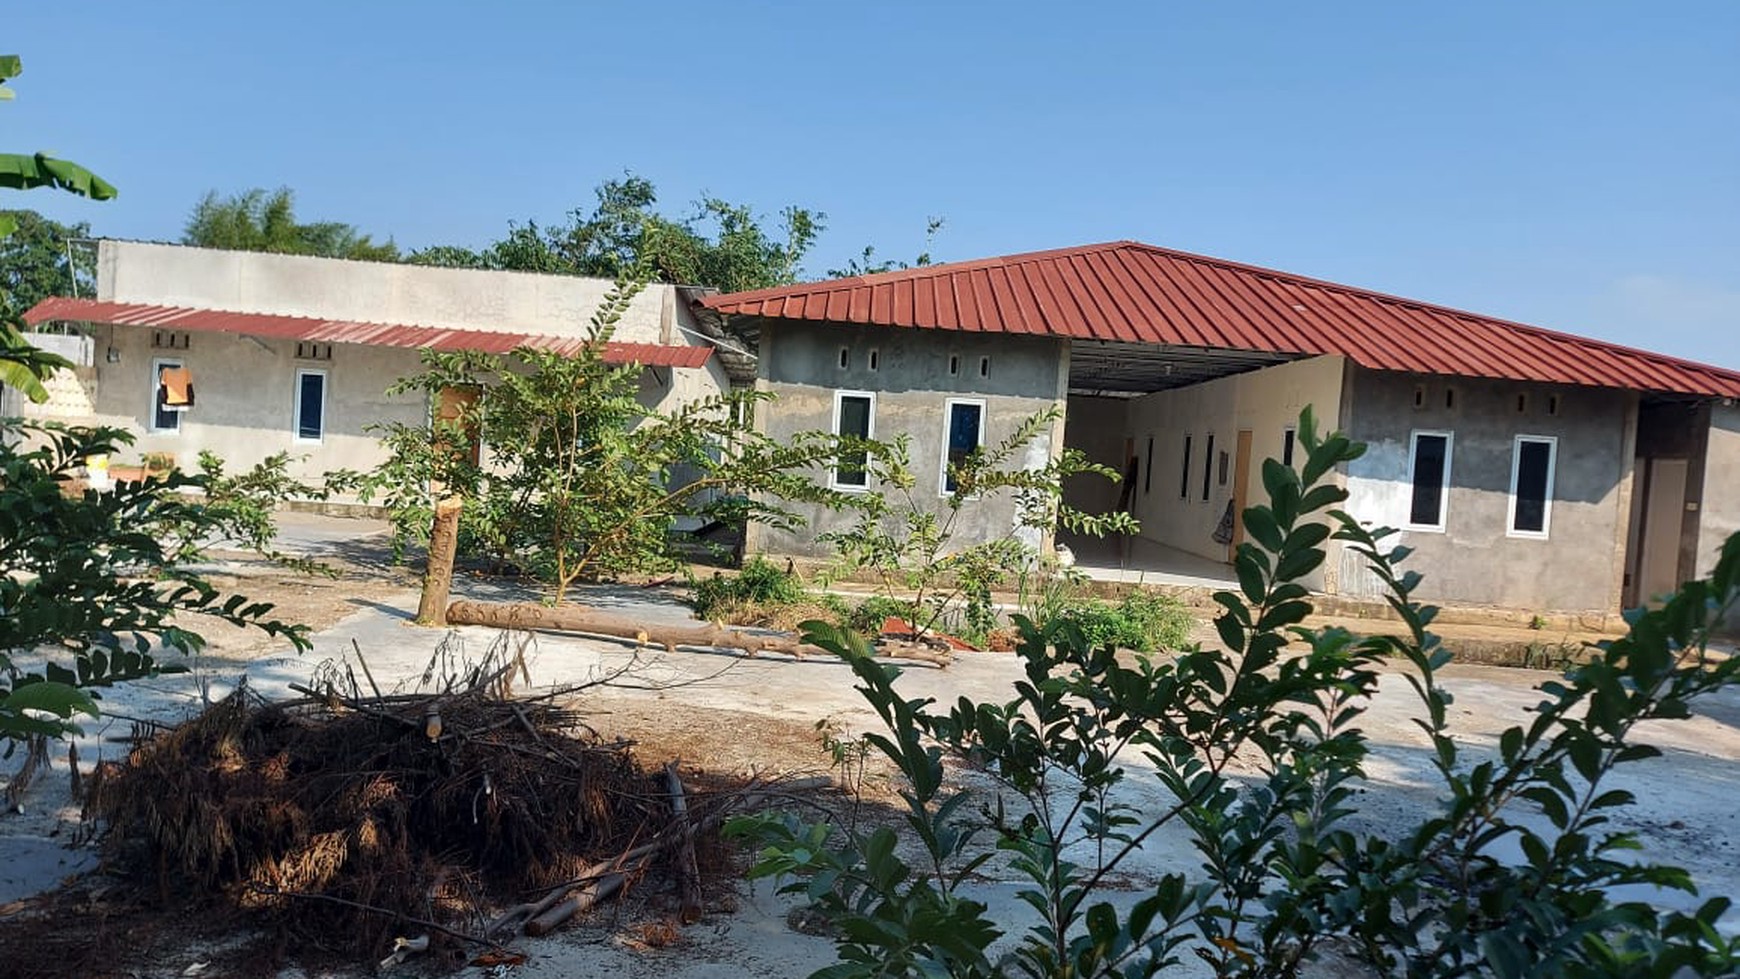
[760,582]
[1141,621]
[1518,867]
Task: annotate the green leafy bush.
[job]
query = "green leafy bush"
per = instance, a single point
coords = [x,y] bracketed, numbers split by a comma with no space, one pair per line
[92,583]
[575,477]
[1141,621]
[905,539]
[1517,871]
[759,582]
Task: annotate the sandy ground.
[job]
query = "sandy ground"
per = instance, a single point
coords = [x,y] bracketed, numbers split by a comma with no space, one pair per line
[729,714]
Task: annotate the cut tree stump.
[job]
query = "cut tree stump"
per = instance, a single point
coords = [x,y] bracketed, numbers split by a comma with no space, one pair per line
[438,574]
[590,621]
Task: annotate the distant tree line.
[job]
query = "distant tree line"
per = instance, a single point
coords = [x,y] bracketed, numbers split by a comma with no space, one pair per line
[716,242]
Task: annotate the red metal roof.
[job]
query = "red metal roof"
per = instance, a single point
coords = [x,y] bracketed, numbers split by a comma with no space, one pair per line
[1128,291]
[345,331]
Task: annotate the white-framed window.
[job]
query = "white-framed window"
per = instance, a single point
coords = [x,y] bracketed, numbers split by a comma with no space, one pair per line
[164,418]
[1429,479]
[309,421]
[854,417]
[963,434]
[1533,464]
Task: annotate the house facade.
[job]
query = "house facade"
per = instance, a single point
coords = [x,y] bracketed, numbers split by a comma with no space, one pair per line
[1526,468]
[296,354]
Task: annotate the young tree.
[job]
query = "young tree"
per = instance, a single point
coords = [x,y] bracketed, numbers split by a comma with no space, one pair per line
[908,543]
[265,221]
[581,480]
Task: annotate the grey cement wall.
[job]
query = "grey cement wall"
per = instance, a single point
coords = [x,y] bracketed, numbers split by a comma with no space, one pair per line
[371,292]
[1096,426]
[1577,568]
[912,384]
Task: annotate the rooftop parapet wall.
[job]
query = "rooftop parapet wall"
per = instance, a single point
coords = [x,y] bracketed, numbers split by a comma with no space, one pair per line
[375,292]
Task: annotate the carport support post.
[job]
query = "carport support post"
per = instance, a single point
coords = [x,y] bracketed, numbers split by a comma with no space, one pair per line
[438,573]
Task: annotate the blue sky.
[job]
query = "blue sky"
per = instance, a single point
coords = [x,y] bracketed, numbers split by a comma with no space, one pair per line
[1570,164]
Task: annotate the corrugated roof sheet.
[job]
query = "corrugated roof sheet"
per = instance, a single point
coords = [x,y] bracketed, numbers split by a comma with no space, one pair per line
[59,308]
[1131,292]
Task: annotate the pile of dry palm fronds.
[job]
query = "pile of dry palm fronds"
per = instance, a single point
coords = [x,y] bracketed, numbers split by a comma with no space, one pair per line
[354,822]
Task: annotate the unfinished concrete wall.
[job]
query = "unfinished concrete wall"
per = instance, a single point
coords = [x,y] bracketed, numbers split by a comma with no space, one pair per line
[1172,508]
[372,292]
[1577,566]
[912,382]
[1096,426]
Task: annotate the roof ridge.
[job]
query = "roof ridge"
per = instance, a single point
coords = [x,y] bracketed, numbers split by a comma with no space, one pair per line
[1428,306]
[914,271]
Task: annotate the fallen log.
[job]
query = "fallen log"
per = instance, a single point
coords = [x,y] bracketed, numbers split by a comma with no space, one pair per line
[585,900]
[589,621]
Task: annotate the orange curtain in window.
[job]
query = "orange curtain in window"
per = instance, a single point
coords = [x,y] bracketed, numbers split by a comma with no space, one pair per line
[175,387]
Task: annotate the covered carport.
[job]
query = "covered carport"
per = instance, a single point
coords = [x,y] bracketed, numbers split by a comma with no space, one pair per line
[1105,379]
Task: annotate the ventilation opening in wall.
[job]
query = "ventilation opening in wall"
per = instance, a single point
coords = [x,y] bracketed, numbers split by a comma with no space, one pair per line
[845,357]
[1522,403]
[169,340]
[306,350]
[954,365]
[984,367]
[1552,404]
[875,359]
[1450,397]
[1419,396]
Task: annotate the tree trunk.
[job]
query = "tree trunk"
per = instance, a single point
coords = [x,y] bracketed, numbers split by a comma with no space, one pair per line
[580,618]
[438,575]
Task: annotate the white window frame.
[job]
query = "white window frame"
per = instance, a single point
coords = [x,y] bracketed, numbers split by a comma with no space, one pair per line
[1444,489]
[296,407]
[870,433]
[157,365]
[1552,442]
[942,476]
